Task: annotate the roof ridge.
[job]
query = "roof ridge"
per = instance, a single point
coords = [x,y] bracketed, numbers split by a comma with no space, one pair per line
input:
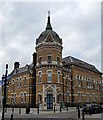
[72,60]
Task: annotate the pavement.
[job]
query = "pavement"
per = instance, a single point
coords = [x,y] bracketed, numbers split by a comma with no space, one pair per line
[45,115]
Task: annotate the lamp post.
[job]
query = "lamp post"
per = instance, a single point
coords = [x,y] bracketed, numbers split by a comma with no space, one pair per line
[12,101]
[29,98]
[4,99]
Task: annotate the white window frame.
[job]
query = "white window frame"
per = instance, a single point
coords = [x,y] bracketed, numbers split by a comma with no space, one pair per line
[48,76]
[58,76]
[25,80]
[39,81]
[21,97]
[25,97]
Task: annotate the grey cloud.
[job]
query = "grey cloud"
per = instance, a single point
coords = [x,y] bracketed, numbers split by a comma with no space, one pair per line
[78,27]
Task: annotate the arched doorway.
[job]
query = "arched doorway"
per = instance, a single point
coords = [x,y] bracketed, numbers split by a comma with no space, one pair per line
[49,99]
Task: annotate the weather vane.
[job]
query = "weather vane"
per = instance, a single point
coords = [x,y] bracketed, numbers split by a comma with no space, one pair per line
[49,13]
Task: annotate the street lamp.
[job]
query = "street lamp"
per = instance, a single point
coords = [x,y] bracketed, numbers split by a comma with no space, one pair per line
[5,83]
[12,100]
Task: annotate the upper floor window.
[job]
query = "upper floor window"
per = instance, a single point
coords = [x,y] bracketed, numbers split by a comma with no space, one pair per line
[77,77]
[58,60]
[39,77]
[49,76]
[66,82]
[25,81]
[17,83]
[12,81]
[13,84]
[49,58]
[40,60]
[58,77]
[20,82]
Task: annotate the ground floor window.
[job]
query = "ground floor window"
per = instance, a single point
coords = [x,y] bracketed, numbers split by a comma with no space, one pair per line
[58,98]
[67,97]
[40,98]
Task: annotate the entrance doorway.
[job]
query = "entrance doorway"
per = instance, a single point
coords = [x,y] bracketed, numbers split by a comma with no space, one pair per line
[49,101]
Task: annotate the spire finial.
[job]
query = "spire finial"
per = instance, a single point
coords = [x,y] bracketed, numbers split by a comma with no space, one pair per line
[49,13]
[48,27]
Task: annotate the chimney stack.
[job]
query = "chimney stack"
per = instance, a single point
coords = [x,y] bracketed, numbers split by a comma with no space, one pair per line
[16,65]
[34,58]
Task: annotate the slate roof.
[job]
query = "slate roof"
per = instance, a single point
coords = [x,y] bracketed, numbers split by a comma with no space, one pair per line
[48,31]
[74,61]
[20,70]
[45,33]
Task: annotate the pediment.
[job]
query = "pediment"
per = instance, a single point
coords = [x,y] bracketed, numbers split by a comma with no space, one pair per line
[49,38]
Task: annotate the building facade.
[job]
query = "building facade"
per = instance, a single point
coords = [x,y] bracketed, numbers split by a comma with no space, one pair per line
[85,79]
[49,82]
[50,79]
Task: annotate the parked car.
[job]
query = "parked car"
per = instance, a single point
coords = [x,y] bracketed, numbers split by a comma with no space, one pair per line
[100,108]
[91,108]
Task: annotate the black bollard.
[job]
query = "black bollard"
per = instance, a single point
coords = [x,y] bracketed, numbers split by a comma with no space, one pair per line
[67,108]
[19,111]
[60,109]
[38,109]
[54,109]
[78,112]
[11,116]
[90,111]
[83,118]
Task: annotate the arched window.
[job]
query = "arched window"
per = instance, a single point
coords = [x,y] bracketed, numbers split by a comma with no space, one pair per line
[21,97]
[39,98]
[67,97]
[40,60]
[58,97]
[58,60]
[58,75]
[24,97]
[39,77]
[66,82]
[49,58]
[49,76]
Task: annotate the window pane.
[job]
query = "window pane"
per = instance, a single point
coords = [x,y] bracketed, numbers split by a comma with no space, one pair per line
[49,76]
[39,77]
[58,77]
[49,59]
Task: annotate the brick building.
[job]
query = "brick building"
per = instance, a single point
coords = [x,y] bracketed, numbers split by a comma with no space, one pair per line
[51,79]
[86,81]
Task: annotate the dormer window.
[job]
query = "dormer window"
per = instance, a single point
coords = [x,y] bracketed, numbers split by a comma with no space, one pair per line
[49,58]
[49,38]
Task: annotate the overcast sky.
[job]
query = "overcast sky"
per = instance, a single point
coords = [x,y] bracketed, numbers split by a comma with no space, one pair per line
[77,23]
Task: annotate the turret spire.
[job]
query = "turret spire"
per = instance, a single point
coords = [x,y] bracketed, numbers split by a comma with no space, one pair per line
[48,27]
